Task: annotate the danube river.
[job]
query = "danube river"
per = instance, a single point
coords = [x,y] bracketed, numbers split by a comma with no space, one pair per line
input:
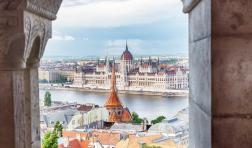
[146,106]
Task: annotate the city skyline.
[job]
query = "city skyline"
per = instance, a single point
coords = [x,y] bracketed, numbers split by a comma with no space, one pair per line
[92,28]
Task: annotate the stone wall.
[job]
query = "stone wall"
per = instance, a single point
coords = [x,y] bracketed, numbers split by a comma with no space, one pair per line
[220,55]
[200,75]
[25,27]
[231,73]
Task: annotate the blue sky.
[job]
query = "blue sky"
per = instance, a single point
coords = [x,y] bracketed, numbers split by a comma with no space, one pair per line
[95,27]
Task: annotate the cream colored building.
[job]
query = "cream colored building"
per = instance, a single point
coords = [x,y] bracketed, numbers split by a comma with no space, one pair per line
[49,75]
[82,119]
[53,75]
[130,75]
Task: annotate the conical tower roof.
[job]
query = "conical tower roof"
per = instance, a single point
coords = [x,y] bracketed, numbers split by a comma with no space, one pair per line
[113,100]
[126,54]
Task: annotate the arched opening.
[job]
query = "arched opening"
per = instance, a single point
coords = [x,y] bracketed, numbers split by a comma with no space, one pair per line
[32,96]
[220,50]
[34,56]
[157,76]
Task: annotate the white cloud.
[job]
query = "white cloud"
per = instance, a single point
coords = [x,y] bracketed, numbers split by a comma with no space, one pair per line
[59,36]
[122,43]
[116,47]
[116,13]
[63,38]
[85,39]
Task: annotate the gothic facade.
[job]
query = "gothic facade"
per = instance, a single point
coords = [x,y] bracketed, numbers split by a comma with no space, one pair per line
[148,75]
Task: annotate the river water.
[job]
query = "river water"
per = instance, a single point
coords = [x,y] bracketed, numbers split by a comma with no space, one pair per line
[146,106]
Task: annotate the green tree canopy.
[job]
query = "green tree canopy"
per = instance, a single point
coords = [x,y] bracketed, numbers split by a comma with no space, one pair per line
[61,79]
[51,138]
[136,118]
[58,128]
[47,99]
[158,120]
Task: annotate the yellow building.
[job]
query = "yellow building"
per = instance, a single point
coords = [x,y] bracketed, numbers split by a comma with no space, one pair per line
[151,140]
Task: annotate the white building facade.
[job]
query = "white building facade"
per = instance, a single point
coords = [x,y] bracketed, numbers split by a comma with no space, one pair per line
[137,76]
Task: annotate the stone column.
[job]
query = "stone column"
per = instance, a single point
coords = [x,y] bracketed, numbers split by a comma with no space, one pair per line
[25,27]
[220,51]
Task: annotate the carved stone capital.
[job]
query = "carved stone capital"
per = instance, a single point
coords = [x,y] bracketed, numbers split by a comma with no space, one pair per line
[188,5]
[25,27]
[44,8]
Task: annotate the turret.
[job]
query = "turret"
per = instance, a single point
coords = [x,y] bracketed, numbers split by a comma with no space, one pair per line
[141,61]
[150,62]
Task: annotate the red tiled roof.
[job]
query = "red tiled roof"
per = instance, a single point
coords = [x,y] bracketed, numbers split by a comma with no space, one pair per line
[126,116]
[85,108]
[126,55]
[113,100]
[78,144]
[72,134]
[113,117]
[107,138]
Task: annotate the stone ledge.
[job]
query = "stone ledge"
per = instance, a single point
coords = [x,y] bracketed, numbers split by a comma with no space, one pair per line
[189,5]
[41,10]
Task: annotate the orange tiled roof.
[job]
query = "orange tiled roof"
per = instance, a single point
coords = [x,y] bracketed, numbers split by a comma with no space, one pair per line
[74,144]
[126,116]
[72,134]
[113,100]
[78,144]
[126,54]
[133,142]
[114,117]
[107,138]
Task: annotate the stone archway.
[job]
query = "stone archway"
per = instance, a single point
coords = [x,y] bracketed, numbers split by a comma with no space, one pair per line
[25,27]
[220,59]
[220,77]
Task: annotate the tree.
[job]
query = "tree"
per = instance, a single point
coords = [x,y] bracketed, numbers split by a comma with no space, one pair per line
[158,120]
[50,140]
[47,99]
[136,118]
[43,81]
[58,128]
[62,79]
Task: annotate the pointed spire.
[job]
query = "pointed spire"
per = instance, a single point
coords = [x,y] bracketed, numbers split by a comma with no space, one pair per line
[107,59]
[113,60]
[150,60]
[113,100]
[127,45]
[113,77]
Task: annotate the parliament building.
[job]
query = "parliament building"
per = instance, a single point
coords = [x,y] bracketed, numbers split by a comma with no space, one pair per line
[136,75]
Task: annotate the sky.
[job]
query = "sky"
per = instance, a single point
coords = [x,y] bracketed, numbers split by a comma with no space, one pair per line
[101,27]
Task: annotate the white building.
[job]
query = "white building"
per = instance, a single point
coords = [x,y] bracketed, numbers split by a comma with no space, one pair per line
[94,118]
[134,75]
[49,75]
[175,129]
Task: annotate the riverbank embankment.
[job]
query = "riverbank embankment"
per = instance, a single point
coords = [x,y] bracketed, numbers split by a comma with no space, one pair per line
[168,93]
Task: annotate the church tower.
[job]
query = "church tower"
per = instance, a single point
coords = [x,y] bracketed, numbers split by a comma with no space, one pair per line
[117,113]
[126,65]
